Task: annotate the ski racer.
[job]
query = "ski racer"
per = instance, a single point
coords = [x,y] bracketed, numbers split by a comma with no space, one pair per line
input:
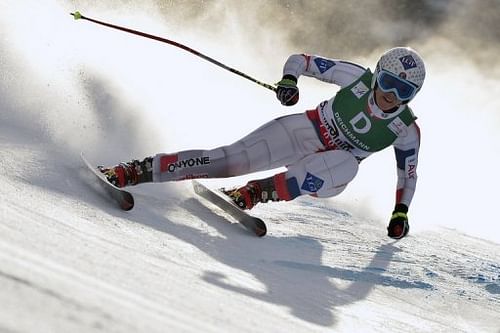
[321,148]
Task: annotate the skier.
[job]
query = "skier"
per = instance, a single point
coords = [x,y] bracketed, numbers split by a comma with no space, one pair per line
[321,148]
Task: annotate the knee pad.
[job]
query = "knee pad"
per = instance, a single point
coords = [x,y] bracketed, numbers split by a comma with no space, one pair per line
[324,174]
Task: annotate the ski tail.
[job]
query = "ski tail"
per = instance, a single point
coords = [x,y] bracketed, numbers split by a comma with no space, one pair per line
[218,198]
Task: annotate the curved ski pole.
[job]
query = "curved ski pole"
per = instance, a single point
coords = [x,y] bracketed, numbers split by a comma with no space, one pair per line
[79,16]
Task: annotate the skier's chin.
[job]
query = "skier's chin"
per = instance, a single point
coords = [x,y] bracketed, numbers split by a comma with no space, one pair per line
[386,101]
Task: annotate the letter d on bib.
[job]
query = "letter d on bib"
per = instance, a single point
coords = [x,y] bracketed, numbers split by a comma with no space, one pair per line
[361,123]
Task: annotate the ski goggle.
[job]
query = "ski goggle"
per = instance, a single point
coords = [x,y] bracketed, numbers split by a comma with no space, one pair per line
[403,89]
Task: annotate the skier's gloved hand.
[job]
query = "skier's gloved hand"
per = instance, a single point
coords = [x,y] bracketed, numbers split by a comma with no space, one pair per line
[398,226]
[287,91]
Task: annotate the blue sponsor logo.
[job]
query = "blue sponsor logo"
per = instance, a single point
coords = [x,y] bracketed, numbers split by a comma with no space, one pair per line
[312,183]
[408,62]
[323,64]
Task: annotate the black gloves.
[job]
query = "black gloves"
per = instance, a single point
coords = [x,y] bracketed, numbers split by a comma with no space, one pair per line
[398,226]
[287,91]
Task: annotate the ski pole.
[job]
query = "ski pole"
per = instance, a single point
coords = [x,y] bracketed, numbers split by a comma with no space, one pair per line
[79,16]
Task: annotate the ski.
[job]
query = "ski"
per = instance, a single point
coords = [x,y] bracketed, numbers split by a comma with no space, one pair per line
[124,199]
[222,201]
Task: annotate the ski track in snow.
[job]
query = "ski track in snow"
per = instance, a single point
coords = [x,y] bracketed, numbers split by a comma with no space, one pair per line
[71,261]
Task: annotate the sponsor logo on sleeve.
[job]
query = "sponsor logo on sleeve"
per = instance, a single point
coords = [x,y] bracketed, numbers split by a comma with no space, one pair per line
[412,172]
[411,168]
[323,64]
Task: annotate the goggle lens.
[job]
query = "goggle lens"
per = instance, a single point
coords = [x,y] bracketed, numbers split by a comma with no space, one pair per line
[389,82]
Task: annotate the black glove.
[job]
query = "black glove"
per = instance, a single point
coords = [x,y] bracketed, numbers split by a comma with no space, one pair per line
[287,91]
[398,226]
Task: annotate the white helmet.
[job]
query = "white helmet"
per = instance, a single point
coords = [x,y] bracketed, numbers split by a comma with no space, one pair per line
[400,70]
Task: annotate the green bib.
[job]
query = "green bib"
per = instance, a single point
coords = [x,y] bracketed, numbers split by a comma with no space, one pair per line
[362,129]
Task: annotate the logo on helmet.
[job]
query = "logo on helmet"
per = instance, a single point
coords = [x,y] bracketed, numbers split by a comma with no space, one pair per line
[408,62]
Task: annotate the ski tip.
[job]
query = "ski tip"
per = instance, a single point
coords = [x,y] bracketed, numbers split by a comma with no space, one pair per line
[127,205]
[261,232]
[77,15]
[127,202]
[259,228]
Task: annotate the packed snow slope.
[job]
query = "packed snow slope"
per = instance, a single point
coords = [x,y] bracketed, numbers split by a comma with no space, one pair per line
[70,261]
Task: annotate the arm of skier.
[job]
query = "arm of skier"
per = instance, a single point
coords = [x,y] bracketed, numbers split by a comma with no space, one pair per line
[406,150]
[339,72]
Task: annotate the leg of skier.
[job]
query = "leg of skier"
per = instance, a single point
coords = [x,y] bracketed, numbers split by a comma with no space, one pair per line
[289,141]
[280,142]
[322,174]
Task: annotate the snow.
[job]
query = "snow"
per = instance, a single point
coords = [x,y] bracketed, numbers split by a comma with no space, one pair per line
[71,262]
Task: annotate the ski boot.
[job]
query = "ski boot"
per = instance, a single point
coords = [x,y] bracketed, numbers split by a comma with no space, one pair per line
[131,173]
[246,197]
